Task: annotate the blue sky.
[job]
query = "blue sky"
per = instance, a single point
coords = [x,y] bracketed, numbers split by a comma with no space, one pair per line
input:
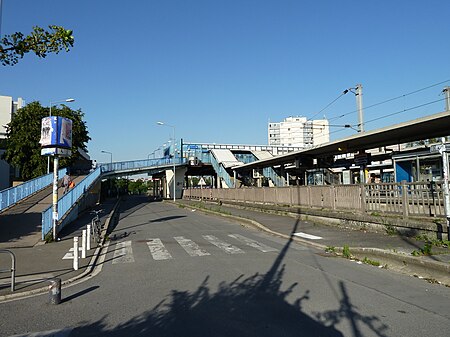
[220,70]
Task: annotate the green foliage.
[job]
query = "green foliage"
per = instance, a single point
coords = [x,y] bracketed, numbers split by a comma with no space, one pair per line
[330,249]
[23,133]
[371,262]
[346,252]
[41,42]
[426,250]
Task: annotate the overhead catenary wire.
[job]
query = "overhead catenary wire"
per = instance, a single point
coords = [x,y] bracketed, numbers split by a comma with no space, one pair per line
[391,99]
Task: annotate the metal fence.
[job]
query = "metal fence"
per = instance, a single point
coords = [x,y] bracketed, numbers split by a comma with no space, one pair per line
[66,202]
[406,199]
[13,195]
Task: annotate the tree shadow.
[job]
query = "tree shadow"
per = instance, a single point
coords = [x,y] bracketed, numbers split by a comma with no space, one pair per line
[255,305]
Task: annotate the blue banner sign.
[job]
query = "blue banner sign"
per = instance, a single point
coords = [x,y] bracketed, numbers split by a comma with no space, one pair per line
[56,132]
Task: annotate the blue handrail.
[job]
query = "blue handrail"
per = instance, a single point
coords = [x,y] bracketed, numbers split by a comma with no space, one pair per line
[13,195]
[220,170]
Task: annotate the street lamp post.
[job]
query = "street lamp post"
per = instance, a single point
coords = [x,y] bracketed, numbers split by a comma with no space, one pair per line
[110,153]
[174,175]
[55,178]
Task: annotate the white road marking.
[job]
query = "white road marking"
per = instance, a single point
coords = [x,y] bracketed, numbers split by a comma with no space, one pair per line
[157,249]
[123,253]
[191,247]
[228,248]
[69,255]
[252,243]
[308,236]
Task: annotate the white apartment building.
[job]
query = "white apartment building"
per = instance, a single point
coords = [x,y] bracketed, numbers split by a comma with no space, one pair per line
[298,131]
[7,109]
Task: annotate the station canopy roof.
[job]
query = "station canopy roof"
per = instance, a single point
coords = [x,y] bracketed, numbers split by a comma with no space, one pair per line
[433,126]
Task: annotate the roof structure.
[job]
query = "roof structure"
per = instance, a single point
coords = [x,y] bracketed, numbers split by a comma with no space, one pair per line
[437,125]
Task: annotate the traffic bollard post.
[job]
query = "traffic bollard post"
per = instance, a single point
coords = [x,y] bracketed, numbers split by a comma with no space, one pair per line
[54,291]
[83,244]
[88,238]
[75,253]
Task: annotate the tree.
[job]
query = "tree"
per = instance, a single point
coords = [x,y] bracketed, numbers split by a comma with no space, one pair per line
[13,47]
[23,133]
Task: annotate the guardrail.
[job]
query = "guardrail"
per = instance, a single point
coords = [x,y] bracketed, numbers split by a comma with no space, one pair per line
[13,195]
[12,270]
[66,202]
[139,164]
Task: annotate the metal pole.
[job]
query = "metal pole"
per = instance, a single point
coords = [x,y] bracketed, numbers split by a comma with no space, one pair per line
[359,105]
[174,173]
[55,195]
[446,185]
[48,158]
[83,244]
[447,98]
[88,237]
[75,253]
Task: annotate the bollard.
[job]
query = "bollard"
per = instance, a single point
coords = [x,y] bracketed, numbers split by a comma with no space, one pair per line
[54,291]
[88,238]
[83,244]
[75,253]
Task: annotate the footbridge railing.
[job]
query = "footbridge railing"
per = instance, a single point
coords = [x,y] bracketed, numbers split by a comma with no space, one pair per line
[13,195]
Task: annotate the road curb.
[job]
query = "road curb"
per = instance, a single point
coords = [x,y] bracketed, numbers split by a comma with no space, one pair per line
[89,268]
[433,271]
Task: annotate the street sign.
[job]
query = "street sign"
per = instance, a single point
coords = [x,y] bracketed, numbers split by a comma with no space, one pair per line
[362,158]
[201,182]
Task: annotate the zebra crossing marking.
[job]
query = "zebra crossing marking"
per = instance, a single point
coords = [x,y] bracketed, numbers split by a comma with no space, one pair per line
[252,243]
[123,253]
[228,248]
[191,247]
[157,249]
[69,254]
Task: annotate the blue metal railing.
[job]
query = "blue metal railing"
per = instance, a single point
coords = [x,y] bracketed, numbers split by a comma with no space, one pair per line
[221,171]
[138,164]
[67,201]
[12,195]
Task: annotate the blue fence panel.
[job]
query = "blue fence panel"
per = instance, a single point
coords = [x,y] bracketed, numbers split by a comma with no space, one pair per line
[66,202]
[12,195]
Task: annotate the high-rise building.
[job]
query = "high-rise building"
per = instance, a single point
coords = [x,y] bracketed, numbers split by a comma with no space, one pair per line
[298,131]
[7,109]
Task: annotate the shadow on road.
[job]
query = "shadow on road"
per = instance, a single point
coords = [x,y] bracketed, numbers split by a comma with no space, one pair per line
[253,305]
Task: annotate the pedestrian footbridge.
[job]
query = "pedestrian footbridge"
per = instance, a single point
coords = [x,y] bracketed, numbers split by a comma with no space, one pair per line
[34,196]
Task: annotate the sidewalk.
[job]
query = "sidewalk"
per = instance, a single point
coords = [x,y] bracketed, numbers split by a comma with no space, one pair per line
[394,252]
[36,264]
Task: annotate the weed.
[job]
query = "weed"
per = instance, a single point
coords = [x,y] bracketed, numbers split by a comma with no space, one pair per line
[390,230]
[330,249]
[181,206]
[375,214]
[346,252]
[371,262]
[426,250]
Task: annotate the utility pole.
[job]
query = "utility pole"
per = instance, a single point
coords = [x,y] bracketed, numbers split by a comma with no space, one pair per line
[446,92]
[359,105]
[444,154]
[445,166]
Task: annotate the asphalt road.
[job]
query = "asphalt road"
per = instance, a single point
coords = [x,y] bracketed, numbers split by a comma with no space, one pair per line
[171,271]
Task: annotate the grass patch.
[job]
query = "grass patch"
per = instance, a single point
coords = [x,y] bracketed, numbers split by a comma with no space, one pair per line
[346,252]
[371,262]
[330,249]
